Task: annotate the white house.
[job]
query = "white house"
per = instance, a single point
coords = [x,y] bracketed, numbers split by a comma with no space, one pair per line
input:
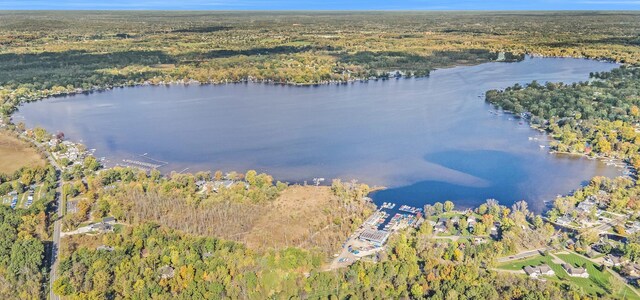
[575,272]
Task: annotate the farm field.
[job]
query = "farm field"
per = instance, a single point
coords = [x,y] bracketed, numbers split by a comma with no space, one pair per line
[16,154]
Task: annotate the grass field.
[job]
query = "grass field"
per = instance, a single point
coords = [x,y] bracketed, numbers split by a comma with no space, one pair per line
[301,216]
[15,154]
[519,264]
[599,282]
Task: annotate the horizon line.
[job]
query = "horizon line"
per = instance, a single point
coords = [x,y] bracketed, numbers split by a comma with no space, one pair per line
[330,10]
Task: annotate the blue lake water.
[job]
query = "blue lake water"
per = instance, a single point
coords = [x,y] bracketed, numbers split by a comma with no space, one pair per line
[426,139]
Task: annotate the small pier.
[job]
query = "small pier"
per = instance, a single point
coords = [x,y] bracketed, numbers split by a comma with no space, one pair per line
[141,164]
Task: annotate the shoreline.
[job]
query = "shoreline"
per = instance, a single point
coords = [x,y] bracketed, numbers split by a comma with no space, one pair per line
[345,82]
[149,82]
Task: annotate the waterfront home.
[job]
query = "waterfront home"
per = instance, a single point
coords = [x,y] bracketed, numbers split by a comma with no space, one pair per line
[575,271]
[200,183]
[217,185]
[564,220]
[586,206]
[471,220]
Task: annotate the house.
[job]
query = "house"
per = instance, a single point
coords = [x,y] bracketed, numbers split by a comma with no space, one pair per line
[200,183]
[471,220]
[479,240]
[632,228]
[455,220]
[219,184]
[440,228]
[105,248]
[109,220]
[586,206]
[166,272]
[564,220]
[546,270]
[575,272]
[532,272]
[535,272]
[631,270]
[614,260]
[72,206]
[102,227]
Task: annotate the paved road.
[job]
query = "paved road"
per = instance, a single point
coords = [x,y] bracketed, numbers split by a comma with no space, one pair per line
[523,254]
[55,245]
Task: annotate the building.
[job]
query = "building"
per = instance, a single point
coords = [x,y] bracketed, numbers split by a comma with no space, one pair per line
[105,248]
[166,272]
[376,237]
[575,272]
[109,220]
[535,272]
[471,221]
[546,270]
[72,206]
[633,227]
[440,228]
[564,220]
[532,271]
[102,227]
[586,206]
[222,184]
[614,260]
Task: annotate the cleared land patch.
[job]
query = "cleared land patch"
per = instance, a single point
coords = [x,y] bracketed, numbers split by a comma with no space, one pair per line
[15,154]
[307,217]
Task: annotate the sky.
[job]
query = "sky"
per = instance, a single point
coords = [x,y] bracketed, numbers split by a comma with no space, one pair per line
[319,5]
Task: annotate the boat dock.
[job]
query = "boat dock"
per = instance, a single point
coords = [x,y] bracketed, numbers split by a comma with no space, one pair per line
[141,165]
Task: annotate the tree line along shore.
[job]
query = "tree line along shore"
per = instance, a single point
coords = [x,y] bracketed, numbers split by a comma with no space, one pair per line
[247,236]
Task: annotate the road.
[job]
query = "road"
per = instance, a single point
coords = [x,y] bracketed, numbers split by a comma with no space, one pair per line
[55,244]
[523,254]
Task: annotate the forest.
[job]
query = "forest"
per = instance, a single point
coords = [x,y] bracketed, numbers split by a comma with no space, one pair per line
[149,261]
[55,53]
[598,117]
[24,235]
[179,240]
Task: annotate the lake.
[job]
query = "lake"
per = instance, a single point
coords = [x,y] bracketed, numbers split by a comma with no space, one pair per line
[426,139]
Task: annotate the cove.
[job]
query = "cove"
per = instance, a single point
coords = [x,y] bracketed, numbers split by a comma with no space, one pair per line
[426,139]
